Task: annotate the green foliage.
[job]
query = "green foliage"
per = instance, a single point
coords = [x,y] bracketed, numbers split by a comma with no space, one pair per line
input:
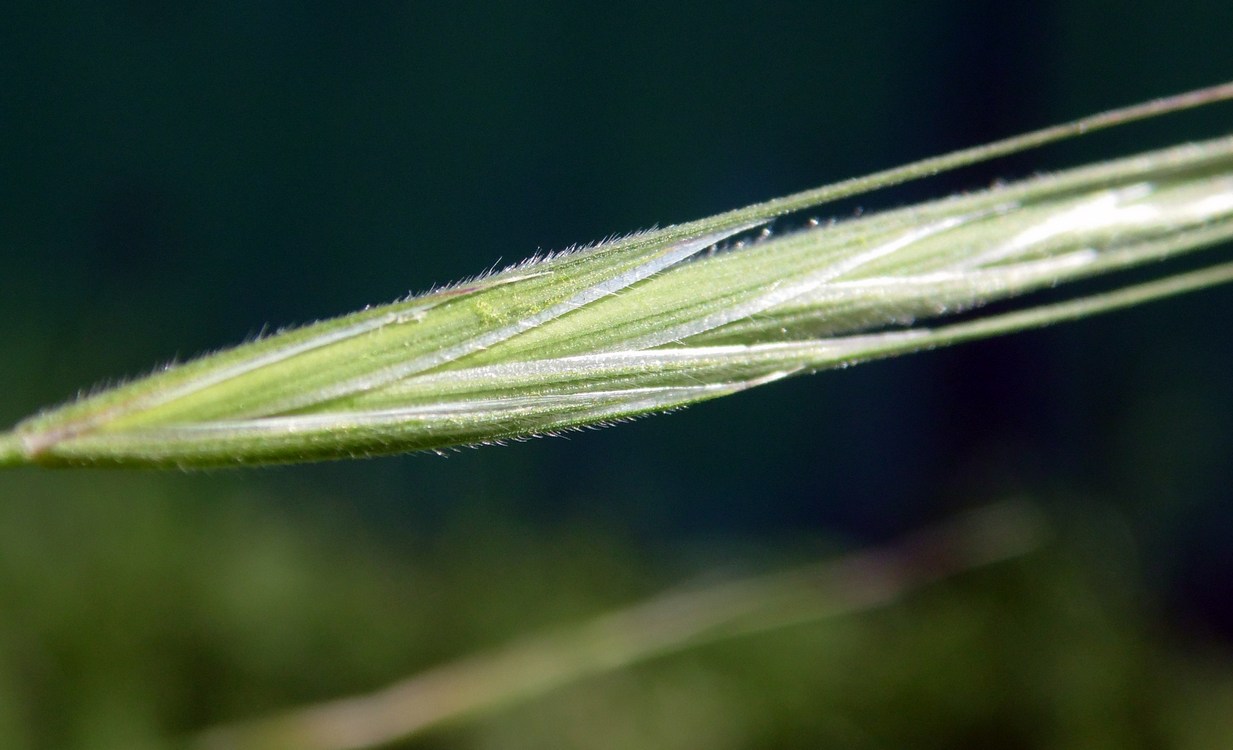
[167,613]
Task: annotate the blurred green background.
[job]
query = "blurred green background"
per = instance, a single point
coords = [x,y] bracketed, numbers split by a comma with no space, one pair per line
[179,175]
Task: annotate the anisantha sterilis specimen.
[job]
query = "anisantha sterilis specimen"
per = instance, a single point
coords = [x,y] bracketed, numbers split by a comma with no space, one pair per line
[665,318]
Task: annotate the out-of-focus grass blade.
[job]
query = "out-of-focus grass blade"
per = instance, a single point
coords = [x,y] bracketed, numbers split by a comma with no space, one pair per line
[665,318]
[669,623]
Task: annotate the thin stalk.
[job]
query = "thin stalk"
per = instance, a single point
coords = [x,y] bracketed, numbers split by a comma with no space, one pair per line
[670,623]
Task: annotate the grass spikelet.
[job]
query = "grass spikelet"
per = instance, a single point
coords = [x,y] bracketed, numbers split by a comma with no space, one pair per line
[661,319]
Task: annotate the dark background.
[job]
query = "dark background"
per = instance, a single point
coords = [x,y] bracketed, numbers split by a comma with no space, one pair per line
[178,175]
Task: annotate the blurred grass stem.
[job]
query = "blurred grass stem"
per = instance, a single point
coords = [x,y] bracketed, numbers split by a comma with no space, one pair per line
[672,622]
